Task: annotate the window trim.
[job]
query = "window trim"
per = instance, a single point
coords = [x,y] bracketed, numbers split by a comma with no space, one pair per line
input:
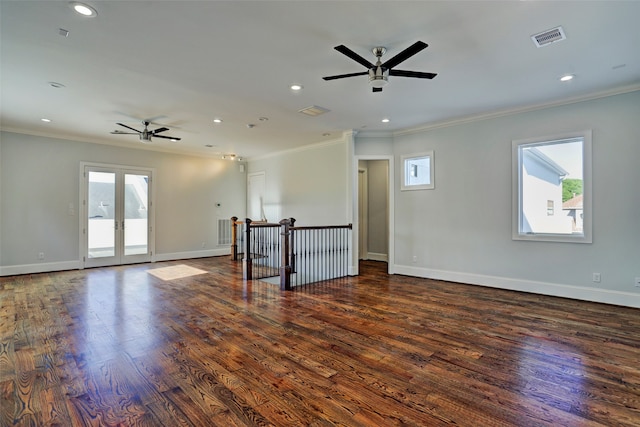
[516,196]
[403,167]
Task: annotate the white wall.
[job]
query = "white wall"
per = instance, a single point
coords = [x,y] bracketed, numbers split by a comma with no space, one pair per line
[461,230]
[310,184]
[40,177]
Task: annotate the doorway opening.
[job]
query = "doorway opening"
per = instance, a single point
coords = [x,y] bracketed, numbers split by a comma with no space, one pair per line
[374,205]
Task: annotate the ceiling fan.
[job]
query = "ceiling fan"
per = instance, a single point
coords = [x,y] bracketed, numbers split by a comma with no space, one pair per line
[380,72]
[146,134]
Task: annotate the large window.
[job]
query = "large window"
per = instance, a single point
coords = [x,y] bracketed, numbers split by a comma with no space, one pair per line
[552,188]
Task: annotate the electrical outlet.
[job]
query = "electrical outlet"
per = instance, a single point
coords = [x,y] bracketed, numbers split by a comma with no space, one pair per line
[637,282]
[596,277]
[415,258]
[41,255]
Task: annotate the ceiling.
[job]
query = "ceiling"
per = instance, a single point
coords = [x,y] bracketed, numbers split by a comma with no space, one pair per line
[184,63]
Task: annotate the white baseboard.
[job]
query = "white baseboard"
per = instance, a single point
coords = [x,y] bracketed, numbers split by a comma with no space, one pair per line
[192,254]
[605,296]
[377,257]
[14,270]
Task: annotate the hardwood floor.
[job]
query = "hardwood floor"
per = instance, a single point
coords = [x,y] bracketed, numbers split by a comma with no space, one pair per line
[122,347]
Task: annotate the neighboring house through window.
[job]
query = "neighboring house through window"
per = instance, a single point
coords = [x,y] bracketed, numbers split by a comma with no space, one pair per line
[546,171]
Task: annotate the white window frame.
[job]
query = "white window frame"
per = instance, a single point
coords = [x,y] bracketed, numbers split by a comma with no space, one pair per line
[405,161]
[586,236]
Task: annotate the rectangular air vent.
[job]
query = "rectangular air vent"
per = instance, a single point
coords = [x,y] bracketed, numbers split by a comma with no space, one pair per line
[224,231]
[547,37]
[314,110]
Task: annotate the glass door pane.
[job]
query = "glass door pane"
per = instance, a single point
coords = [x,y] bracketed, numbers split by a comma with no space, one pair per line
[136,208]
[101,214]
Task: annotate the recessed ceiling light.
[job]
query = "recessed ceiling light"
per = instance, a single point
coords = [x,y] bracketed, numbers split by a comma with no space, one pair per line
[46,120]
[326,134]
[217,120]
[567,77]
[296,87]
[83,9]
[385,120]
[209,146]
[56,85]
[173,140]
[264,119]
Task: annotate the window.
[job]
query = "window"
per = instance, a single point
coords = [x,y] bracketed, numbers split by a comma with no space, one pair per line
[552,188]
[417,172]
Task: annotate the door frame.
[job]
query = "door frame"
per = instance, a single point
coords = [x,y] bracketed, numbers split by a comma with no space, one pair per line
[249,194]
[363,213]
[390,207]
[82,236]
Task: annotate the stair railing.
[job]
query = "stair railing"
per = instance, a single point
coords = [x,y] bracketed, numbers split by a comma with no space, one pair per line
[299,255]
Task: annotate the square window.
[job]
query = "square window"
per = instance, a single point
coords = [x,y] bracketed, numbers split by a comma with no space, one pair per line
[552,188]
[417,172]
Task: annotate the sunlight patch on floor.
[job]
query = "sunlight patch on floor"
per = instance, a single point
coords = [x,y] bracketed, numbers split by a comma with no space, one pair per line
[175,272]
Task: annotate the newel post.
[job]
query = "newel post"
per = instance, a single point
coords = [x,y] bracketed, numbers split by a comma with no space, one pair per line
[292,249]
[247,272]
[285,266]
[234,238]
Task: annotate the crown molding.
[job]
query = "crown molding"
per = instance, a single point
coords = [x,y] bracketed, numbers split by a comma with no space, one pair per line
[345,137]
[512,111]
[119,144]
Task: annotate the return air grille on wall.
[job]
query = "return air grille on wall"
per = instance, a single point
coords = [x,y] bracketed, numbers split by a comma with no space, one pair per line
[548,37]
[224,231]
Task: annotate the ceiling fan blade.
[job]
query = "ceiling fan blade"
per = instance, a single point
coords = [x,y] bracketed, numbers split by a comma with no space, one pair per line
[119,132]
[405,54]
[128,127]
[351,54]
[376,89]
[162,129]
[416,74]
[342,76]
[154,119]
[167,137]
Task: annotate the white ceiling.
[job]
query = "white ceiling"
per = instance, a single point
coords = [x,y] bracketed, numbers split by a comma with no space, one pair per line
[187,62]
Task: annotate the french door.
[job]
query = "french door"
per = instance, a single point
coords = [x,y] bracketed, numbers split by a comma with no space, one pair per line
[117,215]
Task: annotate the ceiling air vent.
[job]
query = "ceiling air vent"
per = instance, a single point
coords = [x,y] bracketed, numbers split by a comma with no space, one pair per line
[547,37]
[314,110]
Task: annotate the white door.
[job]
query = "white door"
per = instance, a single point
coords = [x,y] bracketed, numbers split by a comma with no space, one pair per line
[255,197]
[117,206]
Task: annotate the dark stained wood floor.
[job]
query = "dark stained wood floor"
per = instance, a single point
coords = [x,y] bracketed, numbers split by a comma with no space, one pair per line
[120,347]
